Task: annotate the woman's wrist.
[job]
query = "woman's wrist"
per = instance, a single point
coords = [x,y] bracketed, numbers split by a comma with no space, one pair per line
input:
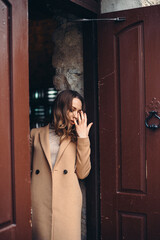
[82,135]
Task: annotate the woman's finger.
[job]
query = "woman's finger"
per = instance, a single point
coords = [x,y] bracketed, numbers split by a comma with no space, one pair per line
[75,122]
[79,118]
[82,115]
[85,118]
[89,126]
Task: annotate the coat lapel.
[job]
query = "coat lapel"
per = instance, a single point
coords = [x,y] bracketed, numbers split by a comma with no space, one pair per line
[64,143]
[44,140]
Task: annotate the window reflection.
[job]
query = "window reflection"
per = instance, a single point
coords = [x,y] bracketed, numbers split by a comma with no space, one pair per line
[41,101]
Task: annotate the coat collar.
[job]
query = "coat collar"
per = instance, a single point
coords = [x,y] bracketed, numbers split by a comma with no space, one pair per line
[44,139]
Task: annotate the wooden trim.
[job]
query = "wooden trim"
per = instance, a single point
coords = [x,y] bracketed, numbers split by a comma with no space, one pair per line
[91,97]
[20,120]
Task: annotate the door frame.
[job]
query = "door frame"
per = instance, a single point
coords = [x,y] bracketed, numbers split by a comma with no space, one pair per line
[81,10]
[91,98]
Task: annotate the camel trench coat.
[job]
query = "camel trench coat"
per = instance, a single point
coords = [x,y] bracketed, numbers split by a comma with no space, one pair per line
[55,193]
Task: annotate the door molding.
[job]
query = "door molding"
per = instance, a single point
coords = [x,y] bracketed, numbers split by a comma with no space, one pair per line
[91,97]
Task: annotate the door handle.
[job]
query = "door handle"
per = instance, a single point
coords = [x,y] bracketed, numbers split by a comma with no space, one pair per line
[151,115]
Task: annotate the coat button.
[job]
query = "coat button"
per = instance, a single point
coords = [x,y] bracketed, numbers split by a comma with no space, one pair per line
[65,171]
[37,171]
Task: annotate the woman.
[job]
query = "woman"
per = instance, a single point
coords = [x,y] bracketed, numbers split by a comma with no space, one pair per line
[60,155]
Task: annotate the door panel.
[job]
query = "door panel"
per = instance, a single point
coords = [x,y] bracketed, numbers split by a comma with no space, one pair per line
[5,167]
[129,72]
[14,122]
[132,226]
[131,99]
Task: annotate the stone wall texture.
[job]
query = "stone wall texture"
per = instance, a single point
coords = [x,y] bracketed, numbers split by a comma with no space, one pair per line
[68,56]
[118,5]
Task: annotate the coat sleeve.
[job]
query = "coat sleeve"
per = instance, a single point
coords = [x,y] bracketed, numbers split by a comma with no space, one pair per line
[83,164]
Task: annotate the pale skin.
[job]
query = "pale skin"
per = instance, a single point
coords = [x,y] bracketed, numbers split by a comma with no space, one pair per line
[79,118]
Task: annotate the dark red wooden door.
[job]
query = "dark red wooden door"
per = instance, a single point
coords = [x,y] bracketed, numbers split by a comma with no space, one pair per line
[129,88]
[14,122]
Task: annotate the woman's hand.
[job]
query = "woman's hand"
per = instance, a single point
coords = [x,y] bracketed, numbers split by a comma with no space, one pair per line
[81,125]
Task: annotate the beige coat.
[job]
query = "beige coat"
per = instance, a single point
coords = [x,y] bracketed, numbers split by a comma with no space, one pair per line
[56,195]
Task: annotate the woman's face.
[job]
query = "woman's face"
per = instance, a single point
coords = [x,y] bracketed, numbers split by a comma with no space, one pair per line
[75,111]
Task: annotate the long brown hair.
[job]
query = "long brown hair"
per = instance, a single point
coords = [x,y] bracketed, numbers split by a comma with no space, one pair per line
[61,105]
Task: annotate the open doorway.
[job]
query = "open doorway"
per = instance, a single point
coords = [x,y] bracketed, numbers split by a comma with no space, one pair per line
[55,64]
